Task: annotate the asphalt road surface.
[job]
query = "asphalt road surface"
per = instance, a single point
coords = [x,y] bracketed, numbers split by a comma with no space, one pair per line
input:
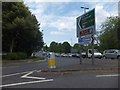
[32,75]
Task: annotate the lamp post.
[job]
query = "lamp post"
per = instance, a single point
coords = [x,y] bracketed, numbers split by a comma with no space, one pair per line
[79,37]
[84,9]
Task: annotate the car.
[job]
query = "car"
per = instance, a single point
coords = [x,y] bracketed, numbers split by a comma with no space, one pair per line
[76,55]
[97,54]
[111,54]
[84,55]
[69,55]
[57,54]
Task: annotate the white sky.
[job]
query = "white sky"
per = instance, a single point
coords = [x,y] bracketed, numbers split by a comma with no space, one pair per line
[58,17]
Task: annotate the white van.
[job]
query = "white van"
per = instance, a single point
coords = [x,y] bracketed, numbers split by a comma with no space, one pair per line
[96,53]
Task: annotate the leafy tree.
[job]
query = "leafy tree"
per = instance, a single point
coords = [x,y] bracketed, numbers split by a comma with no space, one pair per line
[53,46]
[66,47]
[46,48]
[76,46]
[59,48]
[108,37]
[20,29]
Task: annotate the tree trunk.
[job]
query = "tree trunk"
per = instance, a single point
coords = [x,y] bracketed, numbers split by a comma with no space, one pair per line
[11,47]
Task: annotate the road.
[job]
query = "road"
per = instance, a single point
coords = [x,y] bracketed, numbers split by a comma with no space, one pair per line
[33,75]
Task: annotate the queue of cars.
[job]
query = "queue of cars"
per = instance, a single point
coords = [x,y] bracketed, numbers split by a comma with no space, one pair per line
[107,54]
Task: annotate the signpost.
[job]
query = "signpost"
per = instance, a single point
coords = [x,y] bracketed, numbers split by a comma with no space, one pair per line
[86,24]
[84,39]
[86,29]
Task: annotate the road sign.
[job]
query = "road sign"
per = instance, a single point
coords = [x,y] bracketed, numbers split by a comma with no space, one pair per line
[86,24]
[84,39]
[87,31]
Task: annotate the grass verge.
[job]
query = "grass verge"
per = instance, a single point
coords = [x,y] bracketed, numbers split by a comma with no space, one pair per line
[31,59]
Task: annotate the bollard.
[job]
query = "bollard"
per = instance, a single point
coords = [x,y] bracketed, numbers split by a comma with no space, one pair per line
[51,60]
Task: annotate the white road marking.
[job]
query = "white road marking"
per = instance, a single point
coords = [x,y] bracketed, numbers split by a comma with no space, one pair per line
[23,83]
[33,77]
[15,74]
[110,75]
[26,76]
[38,71]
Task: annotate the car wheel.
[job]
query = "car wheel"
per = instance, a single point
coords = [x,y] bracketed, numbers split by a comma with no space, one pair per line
[104,57]
[118,57]
[100,57]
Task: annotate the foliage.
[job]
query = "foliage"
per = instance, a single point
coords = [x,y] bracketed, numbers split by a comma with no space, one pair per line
[53,46]
[38,58]
[76,46]
[108,38]
[20,29]
[66,47]
[60,47]
[15,56]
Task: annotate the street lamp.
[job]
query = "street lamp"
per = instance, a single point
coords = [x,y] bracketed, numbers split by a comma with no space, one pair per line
[79,37]
[84,9]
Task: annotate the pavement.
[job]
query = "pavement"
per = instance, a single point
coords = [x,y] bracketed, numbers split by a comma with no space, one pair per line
[86,65]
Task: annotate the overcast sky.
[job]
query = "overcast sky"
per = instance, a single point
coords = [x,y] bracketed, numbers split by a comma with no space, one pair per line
[58,17]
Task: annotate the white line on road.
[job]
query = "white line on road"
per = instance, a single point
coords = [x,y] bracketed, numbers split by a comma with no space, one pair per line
[110,75]
[26,76]
[15,74]
[31,82]
[33,77]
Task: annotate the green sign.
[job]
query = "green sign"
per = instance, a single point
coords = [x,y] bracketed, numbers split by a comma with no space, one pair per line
[86,24]
[87,19]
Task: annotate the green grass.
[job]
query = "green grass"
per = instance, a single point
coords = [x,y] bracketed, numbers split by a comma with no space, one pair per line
[32,59]
[12,61]
[38,58]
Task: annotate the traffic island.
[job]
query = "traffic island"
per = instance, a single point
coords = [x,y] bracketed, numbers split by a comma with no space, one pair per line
[68,71]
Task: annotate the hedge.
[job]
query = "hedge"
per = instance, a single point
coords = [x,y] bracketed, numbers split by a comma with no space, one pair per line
[15,56]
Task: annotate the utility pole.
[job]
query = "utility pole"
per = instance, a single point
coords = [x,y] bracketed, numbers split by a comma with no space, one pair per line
[79,37]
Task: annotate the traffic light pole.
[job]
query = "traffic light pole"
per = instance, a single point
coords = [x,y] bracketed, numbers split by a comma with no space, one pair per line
[92,49]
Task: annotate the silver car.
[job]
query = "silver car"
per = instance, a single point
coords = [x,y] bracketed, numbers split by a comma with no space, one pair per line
[112,54]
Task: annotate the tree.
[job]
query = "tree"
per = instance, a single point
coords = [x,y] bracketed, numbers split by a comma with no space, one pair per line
[108,37]
[53,46]
[66,47]
[76,46]
[20,29]
[45,47]
[59,48]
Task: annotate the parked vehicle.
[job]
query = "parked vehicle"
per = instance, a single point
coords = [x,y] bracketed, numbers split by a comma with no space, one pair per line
[89,54]
[111,53]
[97,54]
[76,55]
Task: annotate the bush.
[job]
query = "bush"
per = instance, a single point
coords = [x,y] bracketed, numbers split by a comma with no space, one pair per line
[37,58]
[15,56]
